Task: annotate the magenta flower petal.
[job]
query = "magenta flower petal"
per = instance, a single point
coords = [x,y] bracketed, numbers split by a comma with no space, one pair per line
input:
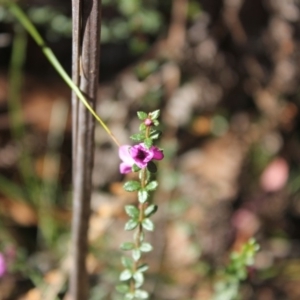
[124,168]
[128,161]
[157,154]
[124,154]
[3,267]
[141,155]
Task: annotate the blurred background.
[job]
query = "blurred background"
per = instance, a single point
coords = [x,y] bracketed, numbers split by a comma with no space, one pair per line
[225,74]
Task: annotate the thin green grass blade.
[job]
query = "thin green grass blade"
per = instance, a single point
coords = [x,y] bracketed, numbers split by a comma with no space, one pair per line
[25,164]
[24,20]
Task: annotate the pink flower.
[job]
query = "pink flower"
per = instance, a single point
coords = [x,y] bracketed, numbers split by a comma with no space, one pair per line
[275,175]
[3,266]
[139,155]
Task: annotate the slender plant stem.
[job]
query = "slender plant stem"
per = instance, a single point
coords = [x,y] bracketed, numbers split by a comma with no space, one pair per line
[142,207]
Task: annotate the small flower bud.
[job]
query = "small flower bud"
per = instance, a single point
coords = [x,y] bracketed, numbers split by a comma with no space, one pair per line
[148,122]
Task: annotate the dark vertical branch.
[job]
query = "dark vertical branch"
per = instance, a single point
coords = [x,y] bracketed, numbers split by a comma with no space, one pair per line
[85,71]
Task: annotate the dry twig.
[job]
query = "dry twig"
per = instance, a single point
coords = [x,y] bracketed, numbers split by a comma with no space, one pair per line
[86,44]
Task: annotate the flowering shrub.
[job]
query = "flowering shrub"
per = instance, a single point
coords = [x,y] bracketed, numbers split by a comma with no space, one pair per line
[139,158]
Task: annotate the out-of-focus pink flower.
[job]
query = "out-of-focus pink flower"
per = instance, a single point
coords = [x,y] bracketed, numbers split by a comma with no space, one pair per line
[245,222]
[139,155]
[3,266]
[275,176]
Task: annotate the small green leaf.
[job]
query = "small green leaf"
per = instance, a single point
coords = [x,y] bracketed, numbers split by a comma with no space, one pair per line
[125,275]
[155,122]
[148,224]
[131,224]
[151,167]
[136,254]
[138,137]
[155,135]
[132,211]
[139,278]
[129,296]
[135,168]
[127,262]
[142,127]
[249,261]
[151,186]
[242,274]
[146,247]
[142,115]
[150,210]
[122,288]
[127,246]
[140,294]
[142,196]
[155,114]
[143,268]
[148,142]
[131,186]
